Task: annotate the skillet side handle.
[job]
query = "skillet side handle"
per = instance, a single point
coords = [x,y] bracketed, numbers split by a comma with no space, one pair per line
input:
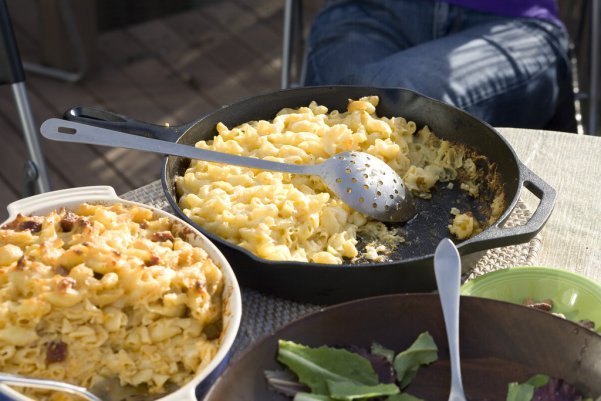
[107,119]
[496,236]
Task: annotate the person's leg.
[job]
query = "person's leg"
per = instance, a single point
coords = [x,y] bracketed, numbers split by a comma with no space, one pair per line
[349,34]
[505,71]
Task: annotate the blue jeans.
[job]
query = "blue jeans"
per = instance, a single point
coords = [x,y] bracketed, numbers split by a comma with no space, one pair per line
[503,70]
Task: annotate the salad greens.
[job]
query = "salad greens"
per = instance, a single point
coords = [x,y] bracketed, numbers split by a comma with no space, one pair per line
[380,350]
[422,352]
[348,391]
[403,397]
[311,397]
[525,391]
[316,366]
[338,374]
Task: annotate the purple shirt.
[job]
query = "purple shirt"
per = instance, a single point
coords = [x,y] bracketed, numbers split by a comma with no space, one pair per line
[542,9]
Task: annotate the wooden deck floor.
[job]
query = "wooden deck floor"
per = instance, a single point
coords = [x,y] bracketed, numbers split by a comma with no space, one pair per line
[168,70]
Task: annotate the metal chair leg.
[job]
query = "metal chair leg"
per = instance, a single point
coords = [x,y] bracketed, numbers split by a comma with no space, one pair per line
[31,175]
[31,136]
[594,70]
[287,43]
[11,72]
[576,90]
[292,45]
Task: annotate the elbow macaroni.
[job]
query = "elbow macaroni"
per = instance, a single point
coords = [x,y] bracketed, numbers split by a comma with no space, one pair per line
[280,216]
[106,292]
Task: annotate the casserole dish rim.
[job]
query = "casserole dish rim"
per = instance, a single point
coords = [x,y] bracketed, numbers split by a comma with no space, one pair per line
[232,314]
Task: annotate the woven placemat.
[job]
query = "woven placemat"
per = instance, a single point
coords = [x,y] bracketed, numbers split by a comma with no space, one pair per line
[262,314]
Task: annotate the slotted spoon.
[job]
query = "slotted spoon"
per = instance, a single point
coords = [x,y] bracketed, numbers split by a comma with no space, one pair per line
[362,181]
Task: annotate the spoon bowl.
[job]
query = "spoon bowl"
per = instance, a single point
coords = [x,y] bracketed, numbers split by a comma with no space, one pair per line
[368,185]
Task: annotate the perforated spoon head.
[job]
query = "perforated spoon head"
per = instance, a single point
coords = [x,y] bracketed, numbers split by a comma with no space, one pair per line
[368,185]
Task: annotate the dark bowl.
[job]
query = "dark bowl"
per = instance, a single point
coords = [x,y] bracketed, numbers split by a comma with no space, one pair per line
[500,343]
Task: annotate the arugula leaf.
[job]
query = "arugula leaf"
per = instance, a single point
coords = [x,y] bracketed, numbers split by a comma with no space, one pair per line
[519,392]
[314,366]
[423,351]
[285,382]
[311,397]
[378,349]
[538,380]
[403,397]
[525,391]
[348,391]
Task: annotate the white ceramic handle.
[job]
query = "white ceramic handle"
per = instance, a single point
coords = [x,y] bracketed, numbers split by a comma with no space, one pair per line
[48,201]
[189,396]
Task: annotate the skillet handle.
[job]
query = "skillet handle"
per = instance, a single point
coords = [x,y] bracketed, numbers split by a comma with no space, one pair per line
[106,119]
[496,236]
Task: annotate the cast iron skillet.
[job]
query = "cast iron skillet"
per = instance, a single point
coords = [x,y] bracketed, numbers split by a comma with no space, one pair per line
[500,343]
[410,268]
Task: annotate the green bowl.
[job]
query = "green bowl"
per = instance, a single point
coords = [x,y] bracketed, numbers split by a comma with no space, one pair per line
[575,296]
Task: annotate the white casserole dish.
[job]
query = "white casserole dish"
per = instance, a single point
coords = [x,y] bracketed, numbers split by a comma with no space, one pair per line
[69,198]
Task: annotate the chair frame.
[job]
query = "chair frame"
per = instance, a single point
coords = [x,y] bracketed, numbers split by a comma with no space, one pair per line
[36,175]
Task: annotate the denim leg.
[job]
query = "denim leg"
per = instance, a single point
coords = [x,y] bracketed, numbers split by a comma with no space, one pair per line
[504,71]
[349,34]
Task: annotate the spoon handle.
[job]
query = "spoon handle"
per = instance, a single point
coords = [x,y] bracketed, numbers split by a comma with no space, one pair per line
[46,384]
[447,268]
[70,131]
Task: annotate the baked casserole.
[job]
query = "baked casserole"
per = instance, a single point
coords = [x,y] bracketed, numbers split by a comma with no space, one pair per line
[106,292]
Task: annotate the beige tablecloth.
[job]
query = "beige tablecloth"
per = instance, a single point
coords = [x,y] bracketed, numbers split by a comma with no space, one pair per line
[571,164]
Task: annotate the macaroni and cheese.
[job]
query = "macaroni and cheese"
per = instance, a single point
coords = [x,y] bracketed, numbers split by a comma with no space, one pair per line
[281,216]
[105,292]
